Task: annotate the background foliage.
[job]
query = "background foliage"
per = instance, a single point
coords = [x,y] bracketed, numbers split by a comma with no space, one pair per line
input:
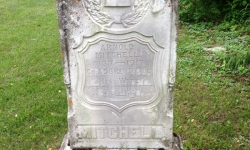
[228,17]
[214,115]
[234,11]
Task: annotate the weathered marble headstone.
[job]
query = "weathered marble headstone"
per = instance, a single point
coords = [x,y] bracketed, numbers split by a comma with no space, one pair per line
[119,59]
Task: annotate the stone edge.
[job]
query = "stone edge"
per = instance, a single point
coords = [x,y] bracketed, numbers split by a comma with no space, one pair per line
[177,143]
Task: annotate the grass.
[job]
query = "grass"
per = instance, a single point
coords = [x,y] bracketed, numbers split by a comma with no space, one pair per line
[212,107]
[32,96]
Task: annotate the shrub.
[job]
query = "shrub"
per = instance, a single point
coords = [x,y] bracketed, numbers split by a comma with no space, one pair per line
[234,11]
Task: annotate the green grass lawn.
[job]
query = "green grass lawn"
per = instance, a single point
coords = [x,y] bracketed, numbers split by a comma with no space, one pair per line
[32,94]
[212,107]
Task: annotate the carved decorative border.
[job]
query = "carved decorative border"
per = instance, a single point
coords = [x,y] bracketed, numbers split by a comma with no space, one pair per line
[88,41]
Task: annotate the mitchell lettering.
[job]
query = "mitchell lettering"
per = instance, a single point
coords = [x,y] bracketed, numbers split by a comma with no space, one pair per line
[119,132]
[118,54]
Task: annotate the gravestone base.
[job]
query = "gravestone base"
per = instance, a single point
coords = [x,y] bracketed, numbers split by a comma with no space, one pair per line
[177,143]
[65,144]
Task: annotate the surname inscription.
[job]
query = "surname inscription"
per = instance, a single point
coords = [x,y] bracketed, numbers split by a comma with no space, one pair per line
[146,132]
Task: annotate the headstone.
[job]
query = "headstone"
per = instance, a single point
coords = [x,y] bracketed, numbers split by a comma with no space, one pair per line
[119,59]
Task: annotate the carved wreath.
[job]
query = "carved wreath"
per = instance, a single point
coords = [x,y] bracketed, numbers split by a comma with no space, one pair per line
[129,18]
